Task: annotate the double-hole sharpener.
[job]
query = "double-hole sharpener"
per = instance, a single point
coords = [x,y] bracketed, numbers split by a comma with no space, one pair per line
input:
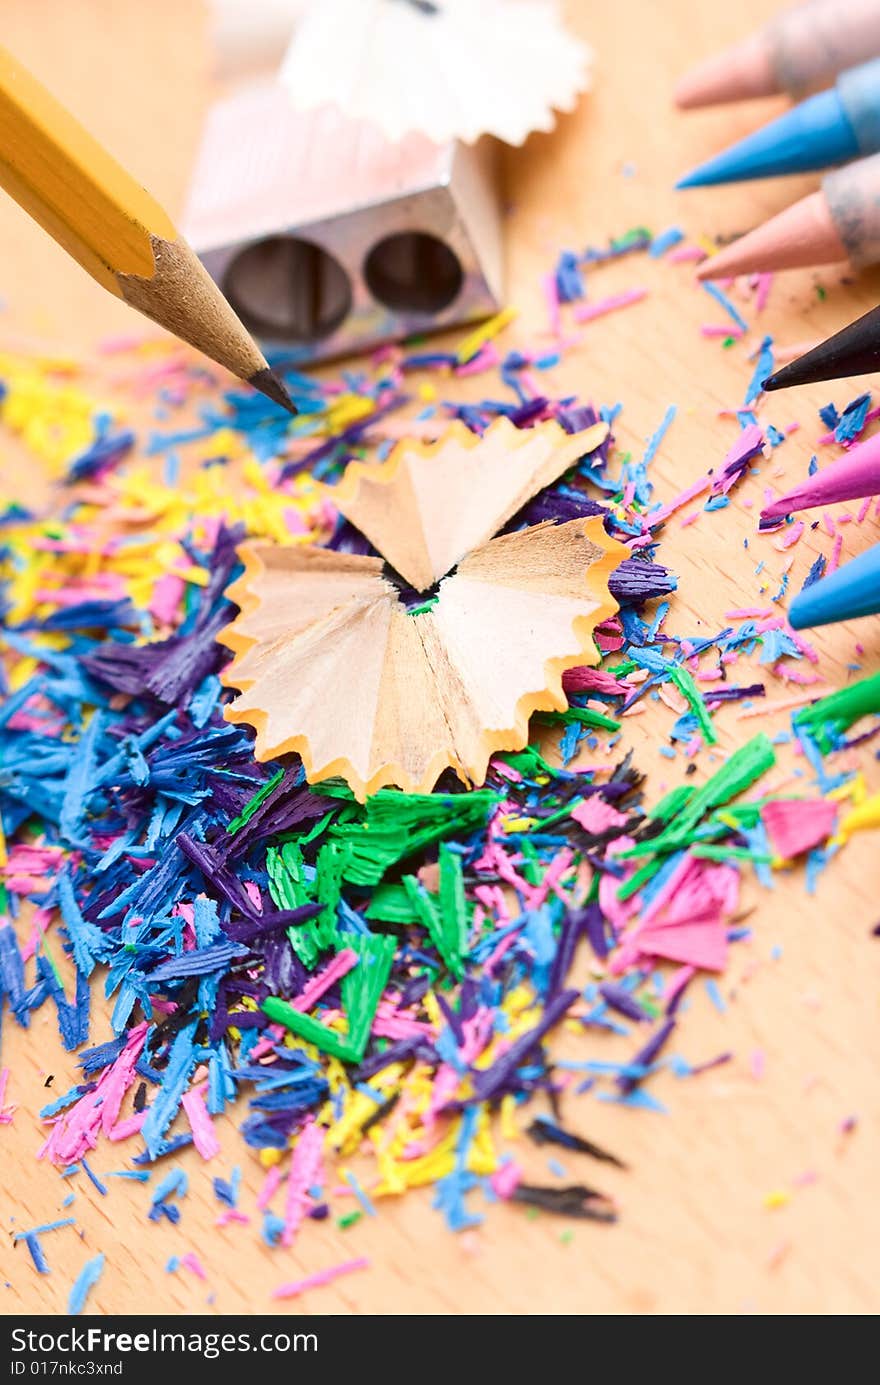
[327,239]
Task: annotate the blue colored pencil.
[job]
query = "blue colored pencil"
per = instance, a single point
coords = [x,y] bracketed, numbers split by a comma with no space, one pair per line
[829,128]
[853,590]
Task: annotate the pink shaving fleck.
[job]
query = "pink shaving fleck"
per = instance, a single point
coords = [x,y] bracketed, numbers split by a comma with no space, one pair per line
[192,1262]
[719,329]
[683,498]
[595,815]
[536,894]
[685,920]
[305,1171]
[315,1281]
[6,1111]
[797,825]
[270,1187]
[340,966]
[762,291]
[201,1125]
[506,1179]
[791,536]
[232,1216]
[75,1131]
[586,679]
[486,358]
[587,312]
[686,254]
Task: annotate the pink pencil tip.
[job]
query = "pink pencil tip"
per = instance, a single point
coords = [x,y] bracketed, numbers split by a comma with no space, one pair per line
[734,75]
[801,236]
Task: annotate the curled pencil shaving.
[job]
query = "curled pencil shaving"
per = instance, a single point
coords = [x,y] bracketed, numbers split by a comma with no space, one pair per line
[331,664]
[428,505]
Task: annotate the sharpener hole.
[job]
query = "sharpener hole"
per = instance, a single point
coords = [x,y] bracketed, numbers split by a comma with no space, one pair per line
[413,271]
[286,288]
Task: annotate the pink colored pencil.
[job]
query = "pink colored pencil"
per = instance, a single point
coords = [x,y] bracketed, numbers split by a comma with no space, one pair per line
[851,477]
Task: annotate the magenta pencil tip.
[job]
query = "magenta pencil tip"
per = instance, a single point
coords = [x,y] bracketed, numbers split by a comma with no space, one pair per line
[851,477]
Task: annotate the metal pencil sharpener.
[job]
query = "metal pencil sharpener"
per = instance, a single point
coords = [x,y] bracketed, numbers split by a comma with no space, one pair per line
[327,239]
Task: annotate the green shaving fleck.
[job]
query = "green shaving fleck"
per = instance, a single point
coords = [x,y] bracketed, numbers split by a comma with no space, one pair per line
[350,1219]
[828,718]
[731,853]
[455,909]
[530,869]
[530,763]
[447,916]
[585,715]
[392,904]
[313,1031]
[47,953]
[640,878]
[253,804]
[329,872]
[362,987]
[395,825]
[284,865]
[737,774]
[687,687]
[319,826]
[564,812]
[671,803]
[632,237]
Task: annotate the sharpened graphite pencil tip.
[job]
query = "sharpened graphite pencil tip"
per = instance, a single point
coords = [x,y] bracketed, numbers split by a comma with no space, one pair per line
[269,384]
[854,350]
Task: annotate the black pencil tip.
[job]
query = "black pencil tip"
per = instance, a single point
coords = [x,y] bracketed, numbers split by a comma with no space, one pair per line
[805,370]
[268,383]
[854,350]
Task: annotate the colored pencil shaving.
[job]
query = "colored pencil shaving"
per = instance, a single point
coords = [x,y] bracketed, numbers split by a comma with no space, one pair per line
[436,701]
[350,53]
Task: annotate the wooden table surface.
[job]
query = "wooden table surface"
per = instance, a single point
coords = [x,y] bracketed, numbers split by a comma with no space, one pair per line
[695,1235]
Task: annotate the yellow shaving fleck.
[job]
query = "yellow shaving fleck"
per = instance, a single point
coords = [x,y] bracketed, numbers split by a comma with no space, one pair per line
[508,1125]
[865,815]
[477,340]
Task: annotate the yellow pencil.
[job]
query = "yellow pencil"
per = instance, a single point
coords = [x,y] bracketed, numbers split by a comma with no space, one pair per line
[87,202]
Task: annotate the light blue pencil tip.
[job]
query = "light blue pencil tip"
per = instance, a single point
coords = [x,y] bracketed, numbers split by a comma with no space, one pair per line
[853,590]
[815,134]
